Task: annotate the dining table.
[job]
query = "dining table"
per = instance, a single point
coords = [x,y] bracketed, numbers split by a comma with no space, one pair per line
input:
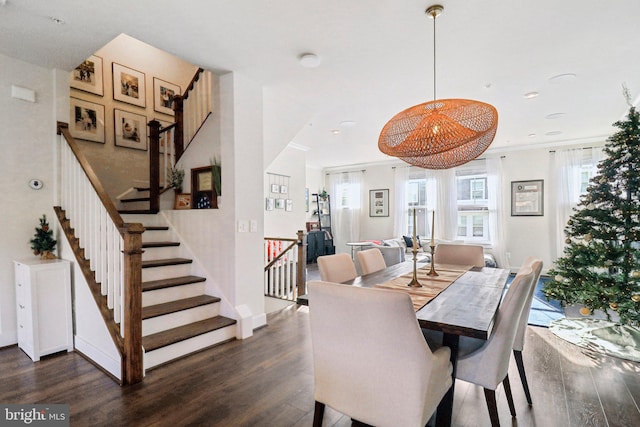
[466,307]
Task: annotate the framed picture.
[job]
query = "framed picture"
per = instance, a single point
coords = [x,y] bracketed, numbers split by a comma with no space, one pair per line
[130,129]
[87,120]
[270,203]
[88,76]
[288,205]
[128,85]
[163,93]
[182,201]
[313,226]
[527,198]
[379,202]
[280,203]
[275,188]
[284,189]
[201,188]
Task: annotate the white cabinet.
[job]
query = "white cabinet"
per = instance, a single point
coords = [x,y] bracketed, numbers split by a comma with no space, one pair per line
[43,297]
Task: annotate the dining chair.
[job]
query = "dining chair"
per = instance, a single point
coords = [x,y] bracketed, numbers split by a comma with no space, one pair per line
[371,260]
[518,344]
[486,362]
[446,253]
[370,360]
[336,268]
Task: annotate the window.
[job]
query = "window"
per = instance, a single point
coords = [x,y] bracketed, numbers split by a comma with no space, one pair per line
[473,206]
[348,196]
[417,199]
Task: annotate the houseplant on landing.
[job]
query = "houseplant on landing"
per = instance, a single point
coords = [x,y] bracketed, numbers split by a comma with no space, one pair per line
[176,177]
[43,243]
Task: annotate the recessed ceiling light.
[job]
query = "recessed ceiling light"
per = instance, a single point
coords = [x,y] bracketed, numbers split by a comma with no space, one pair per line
[553,133]
[58,21]
[561,78]
[554,116]
[530,95]
[309,60]
[348,123]
[335,131]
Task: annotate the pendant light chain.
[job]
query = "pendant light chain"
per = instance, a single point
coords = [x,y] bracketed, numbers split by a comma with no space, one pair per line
[434,56]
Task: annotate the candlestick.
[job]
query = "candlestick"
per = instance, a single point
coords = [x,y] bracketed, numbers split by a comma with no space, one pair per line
[433,220]
[414,281]
[415,240]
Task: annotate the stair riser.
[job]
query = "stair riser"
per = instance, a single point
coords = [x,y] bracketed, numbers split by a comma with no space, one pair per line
[158,273]
[183,348]
[144,219]
[180,318]
[157,236]
[160,296]
[161,253]
[135,206]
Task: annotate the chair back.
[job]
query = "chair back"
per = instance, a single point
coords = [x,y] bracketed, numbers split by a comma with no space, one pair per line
[370,359]
[459,254]
[336,268]
[488,365]
[371,260]
[536,265]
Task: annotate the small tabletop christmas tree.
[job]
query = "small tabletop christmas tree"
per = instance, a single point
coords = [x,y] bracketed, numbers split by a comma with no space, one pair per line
[600,268]
[43,243]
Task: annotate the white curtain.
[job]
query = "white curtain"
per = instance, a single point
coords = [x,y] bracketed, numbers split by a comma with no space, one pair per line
[497,207]
[568,165]
[346,205]
[400,217]
[446,204]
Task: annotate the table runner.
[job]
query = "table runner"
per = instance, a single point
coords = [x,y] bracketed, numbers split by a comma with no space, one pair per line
[431,286]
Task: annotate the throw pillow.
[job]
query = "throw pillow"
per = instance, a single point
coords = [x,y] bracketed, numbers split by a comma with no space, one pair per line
[409,241]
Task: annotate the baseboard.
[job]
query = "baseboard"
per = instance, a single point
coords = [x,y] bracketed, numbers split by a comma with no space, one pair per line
[102,359]
[8,338]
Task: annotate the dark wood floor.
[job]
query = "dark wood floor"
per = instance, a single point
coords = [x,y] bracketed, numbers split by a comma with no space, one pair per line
[267,381]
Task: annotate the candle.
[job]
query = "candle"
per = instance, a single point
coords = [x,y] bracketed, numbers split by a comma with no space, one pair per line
[415,239]
[433,219]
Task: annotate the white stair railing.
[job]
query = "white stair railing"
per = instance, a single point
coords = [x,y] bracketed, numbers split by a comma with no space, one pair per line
[285,267]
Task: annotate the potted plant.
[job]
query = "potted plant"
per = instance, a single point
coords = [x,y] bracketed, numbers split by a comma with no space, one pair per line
[43,243]
[176,177]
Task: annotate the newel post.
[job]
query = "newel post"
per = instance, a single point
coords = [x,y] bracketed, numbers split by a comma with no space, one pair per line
[301,274]
[132,365]
[154,165]
[178,138]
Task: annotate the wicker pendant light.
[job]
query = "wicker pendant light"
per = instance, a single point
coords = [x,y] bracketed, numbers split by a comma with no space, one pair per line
[443,133]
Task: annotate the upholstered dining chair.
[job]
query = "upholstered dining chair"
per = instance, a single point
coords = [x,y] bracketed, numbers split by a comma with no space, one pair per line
[486,363]
[336,268]
[459,254]
[370,360]
[371,260]
[518,344]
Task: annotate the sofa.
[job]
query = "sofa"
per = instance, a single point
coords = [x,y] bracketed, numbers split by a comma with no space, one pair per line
[401,242]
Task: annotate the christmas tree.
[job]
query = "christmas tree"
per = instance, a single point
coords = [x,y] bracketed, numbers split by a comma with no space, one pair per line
[600,268]
[43,243]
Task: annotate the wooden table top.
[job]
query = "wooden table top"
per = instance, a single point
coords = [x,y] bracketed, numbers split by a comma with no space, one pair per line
[467,307]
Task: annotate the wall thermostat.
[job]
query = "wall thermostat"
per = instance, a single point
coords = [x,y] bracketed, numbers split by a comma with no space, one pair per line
[36,184]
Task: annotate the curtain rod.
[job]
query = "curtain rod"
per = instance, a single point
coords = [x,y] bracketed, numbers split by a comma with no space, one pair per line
[338,173]
[578,148]
[277,174]
[481,158]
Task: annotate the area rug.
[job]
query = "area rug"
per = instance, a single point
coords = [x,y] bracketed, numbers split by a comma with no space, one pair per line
[600,336]
[543,311]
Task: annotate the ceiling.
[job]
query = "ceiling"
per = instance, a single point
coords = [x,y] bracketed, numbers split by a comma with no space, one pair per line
[376,60]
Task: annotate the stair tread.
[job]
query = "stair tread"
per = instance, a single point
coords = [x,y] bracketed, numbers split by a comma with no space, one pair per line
[165,262]
[177,305]
[156,228]
[168,283]
[181,333]
[159,244]
[135,199]
[137,211]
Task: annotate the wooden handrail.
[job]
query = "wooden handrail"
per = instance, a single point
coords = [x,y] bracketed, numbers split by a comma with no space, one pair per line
[63,129]
[189,88]
[280,255]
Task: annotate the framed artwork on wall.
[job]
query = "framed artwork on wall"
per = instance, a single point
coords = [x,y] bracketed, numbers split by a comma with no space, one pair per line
[130,129]
[87,120]
[163,94]
[275,188]
[270,203]
[88,76]
[280,203]
[288,205]
[379,202]
[129,85]
[527,198]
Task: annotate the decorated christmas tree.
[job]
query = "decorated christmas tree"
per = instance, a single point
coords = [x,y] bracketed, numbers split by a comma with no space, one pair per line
[600,268]
[43,243]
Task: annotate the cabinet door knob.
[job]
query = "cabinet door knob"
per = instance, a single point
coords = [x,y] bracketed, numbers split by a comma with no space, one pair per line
[21,306]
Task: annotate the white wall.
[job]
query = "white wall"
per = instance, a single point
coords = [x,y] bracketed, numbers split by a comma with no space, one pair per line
[118,167]
[289,168]
[26,139]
